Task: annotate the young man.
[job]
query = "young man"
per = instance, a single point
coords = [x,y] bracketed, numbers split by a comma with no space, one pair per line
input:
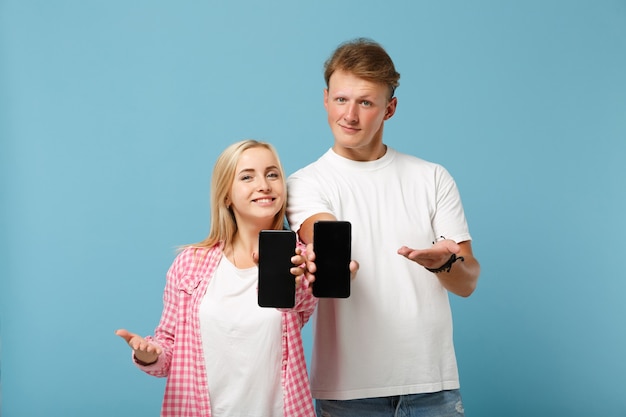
[387,347]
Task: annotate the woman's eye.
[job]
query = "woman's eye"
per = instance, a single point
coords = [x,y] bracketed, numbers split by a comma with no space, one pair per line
[273,175]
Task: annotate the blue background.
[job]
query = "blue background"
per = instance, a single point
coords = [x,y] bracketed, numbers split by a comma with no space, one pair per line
[112,114]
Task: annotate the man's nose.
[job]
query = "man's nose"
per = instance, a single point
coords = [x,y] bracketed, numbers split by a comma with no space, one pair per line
[351,115]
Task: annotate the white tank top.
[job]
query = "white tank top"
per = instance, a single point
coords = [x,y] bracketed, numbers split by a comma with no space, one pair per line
[242,346]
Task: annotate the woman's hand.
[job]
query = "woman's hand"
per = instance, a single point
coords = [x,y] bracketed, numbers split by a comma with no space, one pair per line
[144,351]
[299,270]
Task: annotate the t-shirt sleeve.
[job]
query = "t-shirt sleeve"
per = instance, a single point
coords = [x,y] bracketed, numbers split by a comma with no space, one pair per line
[449,218]
[305,197]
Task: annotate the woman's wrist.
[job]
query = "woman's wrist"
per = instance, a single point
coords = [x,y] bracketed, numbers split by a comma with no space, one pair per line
[144,363]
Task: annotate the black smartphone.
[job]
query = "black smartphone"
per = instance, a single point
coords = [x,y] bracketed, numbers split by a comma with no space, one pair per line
[332,243]
[277,286]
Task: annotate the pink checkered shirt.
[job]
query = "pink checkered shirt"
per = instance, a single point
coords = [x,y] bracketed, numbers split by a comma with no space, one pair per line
[178,334]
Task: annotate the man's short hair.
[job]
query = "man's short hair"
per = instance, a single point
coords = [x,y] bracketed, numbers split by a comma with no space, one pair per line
[365,59]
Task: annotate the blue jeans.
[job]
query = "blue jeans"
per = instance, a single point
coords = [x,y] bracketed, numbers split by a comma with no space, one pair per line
[436,404]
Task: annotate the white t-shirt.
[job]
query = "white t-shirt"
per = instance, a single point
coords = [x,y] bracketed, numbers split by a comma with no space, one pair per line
[242,346]
[393,335]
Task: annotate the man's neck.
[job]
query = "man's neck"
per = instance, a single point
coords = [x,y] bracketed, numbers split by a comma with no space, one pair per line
[361,154]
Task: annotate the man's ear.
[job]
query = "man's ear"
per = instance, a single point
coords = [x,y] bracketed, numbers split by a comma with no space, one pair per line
[391,108]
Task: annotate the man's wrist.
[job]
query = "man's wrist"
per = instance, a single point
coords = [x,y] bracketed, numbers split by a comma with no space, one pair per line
[448,265]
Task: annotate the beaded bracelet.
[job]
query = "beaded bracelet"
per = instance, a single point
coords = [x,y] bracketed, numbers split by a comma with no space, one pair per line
[448,265]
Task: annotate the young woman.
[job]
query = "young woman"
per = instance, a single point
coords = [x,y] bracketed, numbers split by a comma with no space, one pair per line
[224,355]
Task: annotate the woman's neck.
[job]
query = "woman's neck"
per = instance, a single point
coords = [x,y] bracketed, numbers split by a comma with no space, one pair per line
[242,250]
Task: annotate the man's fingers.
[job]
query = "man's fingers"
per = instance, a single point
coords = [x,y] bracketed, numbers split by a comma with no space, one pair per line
[354,267]
[452,246]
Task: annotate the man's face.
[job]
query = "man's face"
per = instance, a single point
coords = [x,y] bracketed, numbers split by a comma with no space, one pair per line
[356,111]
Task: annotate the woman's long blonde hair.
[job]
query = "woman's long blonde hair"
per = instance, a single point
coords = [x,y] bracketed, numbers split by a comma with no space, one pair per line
[223,223]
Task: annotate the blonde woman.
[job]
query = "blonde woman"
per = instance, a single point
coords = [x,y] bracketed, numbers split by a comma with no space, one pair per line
[224,355]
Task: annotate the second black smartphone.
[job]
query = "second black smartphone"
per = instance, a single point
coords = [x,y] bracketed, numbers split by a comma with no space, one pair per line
[332,243]
[277,286]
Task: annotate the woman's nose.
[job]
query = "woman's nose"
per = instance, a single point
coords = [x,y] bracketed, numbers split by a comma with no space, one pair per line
[264,185]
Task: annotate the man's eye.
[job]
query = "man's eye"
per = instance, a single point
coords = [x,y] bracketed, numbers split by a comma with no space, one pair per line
[366,103]
[341,100]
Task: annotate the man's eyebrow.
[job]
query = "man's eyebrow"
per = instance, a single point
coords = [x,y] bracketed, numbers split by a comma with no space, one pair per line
[367,96]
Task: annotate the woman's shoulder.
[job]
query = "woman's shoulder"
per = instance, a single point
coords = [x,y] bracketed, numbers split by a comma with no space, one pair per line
[196,258]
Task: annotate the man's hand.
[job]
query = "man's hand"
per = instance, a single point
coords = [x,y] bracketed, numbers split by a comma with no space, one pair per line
[311,268]
[433,257]
[461,279]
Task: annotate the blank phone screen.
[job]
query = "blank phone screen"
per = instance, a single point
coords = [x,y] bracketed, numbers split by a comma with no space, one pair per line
[277,286]
[332,245]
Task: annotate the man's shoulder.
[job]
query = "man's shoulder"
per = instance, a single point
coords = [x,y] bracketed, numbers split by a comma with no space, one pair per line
[413,160]
[311,168]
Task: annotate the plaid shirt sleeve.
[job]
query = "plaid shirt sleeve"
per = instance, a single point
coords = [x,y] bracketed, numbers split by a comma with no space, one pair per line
[178,334]
[298,399]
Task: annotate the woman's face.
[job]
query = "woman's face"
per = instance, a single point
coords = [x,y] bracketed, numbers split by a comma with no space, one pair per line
[258,189]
